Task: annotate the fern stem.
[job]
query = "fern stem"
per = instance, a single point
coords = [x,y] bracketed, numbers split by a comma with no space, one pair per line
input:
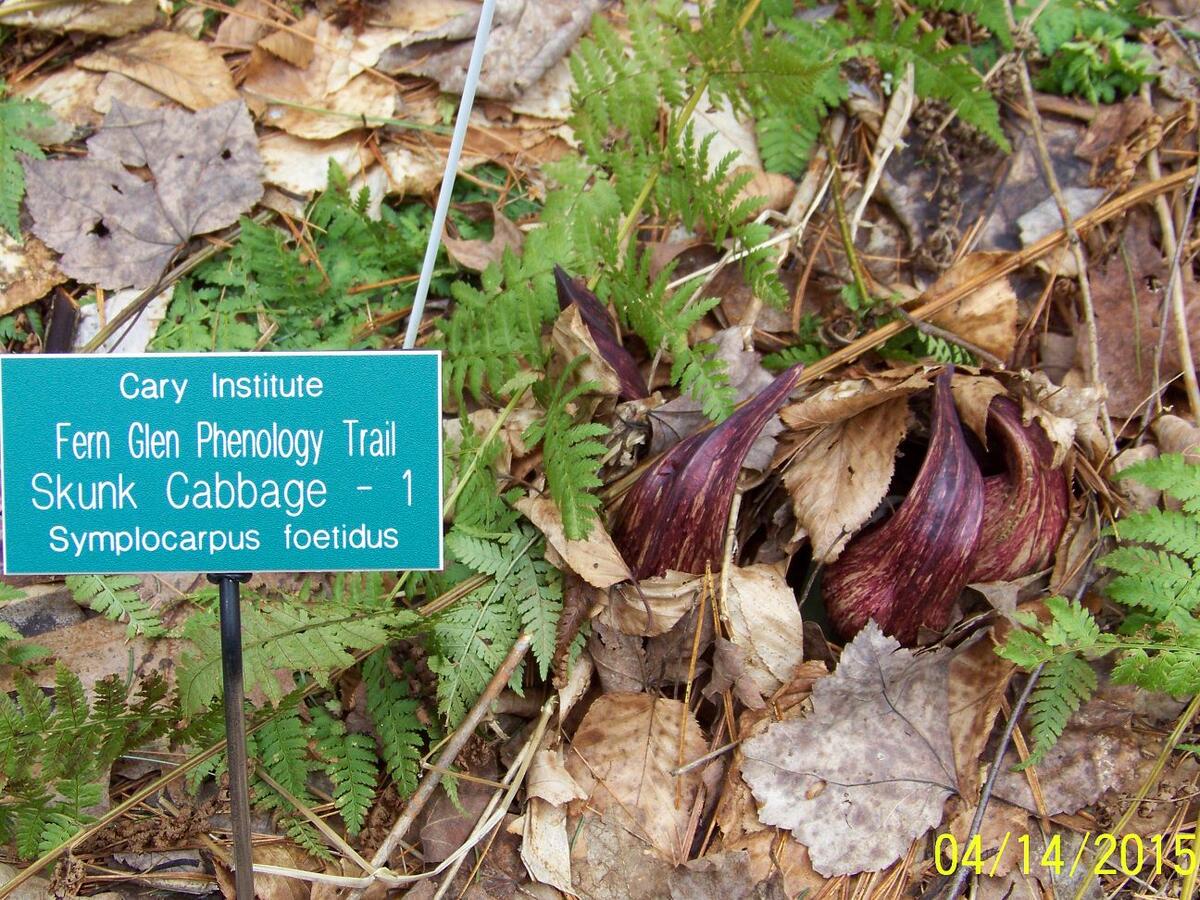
[635,211]
[856,269]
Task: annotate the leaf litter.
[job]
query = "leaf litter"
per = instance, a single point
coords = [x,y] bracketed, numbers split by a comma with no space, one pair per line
[697,752]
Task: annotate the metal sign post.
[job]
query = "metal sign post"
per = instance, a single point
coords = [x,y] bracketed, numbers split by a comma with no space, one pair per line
[229,589]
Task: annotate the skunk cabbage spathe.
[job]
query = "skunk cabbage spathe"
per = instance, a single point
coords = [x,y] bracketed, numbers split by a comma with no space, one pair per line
[591,310]
[1025,509]
[907,571]
[674,516]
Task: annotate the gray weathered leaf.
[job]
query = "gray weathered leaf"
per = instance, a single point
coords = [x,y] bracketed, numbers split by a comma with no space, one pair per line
[870,768]
[115,229]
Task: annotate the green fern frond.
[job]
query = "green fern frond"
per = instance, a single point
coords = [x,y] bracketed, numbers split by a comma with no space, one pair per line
[1172,474]
[351,764]
[1174,531]
[1153,579]
[1066,683]
[115,597]
[317,638]
[397,722]
[280,746]
[940,74]
[18,117]
[571,451]
[989,14]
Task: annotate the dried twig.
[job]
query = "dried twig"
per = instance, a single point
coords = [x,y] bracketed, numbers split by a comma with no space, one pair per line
[1173,298]
[449,754]
[960,876]
[1073,241]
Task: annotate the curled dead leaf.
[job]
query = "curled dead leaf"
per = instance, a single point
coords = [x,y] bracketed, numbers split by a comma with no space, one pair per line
[764,621]
[595,559]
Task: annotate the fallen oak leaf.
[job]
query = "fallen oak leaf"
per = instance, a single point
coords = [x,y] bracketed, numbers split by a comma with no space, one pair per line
[114,229]
[870,768]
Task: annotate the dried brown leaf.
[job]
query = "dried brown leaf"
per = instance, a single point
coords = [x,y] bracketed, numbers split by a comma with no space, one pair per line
[841,472]
[973,395]
[1127,292]
[619,658]
[986,317]
[27,272]
[1176,435]
[728,875]
[295,45]
[478,255]
[114,229]
[334,86]
[1098,752]
[526,40]
[595,559]
[844,399]
[572,339]
[90,16]
[545,844]
[622,756]
[652,606]
[189,72]
[729,673]
[610,861]
[870,768]
[764,622]
[243,25]
[978,680]
[549,779]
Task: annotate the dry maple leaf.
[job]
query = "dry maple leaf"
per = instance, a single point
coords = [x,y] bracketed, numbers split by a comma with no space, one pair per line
[115,229]
[870,768]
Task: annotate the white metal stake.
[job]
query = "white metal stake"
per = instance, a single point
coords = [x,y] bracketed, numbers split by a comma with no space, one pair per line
[456,145]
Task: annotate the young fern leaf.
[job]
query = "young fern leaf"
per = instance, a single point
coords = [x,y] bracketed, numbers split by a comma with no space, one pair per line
[395,715]
[351,764]
[1066,682]
[663,323]
[17,118]
[115,597]
[572,453]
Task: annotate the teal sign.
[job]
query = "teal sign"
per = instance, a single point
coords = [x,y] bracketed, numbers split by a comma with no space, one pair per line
[263,462]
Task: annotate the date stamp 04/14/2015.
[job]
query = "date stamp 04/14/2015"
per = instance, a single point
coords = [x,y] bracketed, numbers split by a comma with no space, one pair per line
[1130,854]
